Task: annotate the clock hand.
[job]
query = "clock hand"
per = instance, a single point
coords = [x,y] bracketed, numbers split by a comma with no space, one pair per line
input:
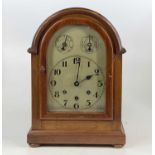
[76,83]
[77,77]
[64,44]
[89,44]
[88,77]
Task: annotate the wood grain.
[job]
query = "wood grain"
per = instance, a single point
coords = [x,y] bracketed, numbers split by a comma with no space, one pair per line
[45,115]
[82,128]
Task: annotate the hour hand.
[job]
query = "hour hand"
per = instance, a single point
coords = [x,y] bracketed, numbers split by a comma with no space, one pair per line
[88,77]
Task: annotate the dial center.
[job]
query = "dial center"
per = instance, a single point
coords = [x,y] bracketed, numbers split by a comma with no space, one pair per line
[76,83]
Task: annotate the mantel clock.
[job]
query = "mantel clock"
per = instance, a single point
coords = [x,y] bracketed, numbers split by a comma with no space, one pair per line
[76,81]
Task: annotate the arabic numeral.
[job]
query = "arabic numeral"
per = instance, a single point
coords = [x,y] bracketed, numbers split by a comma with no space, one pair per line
[53,83]
[76,106]
[89,102]
[56,94]
[64,63]
[57,71]
[97,71]
[76,60]
[65,102]
[99,83]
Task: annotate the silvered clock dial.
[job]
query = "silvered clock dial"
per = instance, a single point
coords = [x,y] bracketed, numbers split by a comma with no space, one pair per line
[76,74]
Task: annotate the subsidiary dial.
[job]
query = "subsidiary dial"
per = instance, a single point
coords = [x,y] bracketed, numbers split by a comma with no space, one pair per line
[89,44]
[64,43]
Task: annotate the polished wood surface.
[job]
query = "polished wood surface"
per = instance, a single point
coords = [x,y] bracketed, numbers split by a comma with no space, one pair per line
[110,136]
[74,19]
[70,128]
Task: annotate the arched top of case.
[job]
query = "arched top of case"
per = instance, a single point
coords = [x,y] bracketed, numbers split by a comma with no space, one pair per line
[108,27]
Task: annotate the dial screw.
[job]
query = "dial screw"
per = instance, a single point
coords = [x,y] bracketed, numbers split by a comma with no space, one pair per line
[88,92]
[76,98]
[64,91]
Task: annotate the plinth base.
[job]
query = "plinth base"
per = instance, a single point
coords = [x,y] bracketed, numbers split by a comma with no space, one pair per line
[114,138]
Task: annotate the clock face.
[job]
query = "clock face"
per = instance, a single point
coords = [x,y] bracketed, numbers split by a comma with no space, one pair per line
[76,70]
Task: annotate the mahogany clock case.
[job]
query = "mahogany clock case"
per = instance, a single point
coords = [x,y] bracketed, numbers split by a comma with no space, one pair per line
[68,127]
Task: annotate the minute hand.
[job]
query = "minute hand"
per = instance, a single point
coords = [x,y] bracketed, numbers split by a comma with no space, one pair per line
[77,76]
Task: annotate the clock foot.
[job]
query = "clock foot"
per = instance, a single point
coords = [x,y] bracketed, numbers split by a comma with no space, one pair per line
[34,145]
[118,146]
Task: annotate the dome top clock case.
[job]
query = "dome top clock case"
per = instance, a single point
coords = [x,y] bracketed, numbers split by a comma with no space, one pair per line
[76,81]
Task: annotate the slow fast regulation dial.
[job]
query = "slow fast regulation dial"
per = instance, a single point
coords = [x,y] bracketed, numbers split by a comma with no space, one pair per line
[64,43]
[89,44]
